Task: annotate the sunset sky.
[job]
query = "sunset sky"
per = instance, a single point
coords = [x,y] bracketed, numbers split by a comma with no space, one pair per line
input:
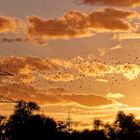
[78,56]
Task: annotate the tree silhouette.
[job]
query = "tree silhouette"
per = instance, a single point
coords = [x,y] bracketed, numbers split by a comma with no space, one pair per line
[126,126]
[24,124]
[41,127]
[32,106]
[18,120]
[2,127]
[26,107]
[97,123]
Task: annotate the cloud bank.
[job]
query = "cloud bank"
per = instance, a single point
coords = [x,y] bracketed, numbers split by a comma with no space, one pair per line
[75,24]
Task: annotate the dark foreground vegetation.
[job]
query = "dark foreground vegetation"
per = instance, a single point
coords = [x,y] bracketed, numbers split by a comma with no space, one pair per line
[24,124]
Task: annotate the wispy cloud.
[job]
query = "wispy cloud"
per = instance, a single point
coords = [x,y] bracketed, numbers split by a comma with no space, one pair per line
[119,46]
[115,95]
[104,51]
[102,80]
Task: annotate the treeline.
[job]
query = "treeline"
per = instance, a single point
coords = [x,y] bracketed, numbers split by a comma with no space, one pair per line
[24,124]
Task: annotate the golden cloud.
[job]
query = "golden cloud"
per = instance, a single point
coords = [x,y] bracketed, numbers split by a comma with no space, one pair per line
[102,80]
[75,24]
[125,3]
[129,71]
[24,65]
[87,100]
[115,95]
[27,69]
[98,69]
[8,24]
[60,70]
[125,36]
[18,91]
[27,79]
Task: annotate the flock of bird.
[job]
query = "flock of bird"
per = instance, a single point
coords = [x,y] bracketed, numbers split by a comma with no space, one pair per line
[81,81]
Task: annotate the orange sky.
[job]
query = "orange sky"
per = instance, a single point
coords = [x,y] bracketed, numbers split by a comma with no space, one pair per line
[80,56]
